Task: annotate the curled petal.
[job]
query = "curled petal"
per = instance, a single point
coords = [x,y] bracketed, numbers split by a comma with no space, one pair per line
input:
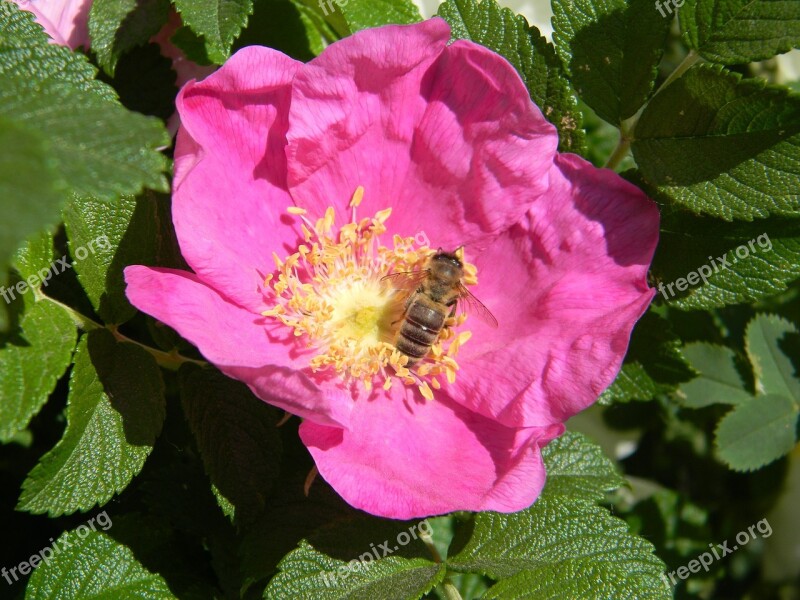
[445,135]
[567,285]
[237,341]
[404,458]
[229,213]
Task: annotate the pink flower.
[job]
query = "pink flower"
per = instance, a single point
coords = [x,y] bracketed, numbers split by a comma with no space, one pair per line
[292,302]
[66,21]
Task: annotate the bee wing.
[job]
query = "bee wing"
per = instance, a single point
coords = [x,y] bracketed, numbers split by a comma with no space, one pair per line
[469,303]
[407,281]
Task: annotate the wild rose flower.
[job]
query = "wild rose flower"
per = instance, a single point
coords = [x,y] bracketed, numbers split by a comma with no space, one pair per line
[298,187]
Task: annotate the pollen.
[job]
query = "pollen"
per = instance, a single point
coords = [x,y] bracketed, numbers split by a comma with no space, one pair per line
[332,295]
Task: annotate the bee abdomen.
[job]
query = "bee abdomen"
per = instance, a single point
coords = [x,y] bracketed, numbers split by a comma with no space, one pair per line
[419,331]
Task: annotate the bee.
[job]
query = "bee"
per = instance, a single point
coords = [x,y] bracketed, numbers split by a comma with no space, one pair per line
[433,295]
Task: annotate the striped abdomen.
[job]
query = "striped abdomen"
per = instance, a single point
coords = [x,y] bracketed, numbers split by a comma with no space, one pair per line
[422,323]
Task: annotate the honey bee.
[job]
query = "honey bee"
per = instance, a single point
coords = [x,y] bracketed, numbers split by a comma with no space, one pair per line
[433,295]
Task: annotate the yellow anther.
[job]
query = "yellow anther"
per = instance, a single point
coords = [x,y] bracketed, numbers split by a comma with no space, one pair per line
[332,294]
[358,196]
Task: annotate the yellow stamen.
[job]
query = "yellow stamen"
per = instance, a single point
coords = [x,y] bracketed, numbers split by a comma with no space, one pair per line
[332,294]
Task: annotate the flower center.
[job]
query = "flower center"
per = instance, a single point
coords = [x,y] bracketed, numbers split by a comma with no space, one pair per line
[333,294]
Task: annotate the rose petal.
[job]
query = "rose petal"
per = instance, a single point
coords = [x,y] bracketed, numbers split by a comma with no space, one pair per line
[66,21]
[237,341]
[405,458]
[446,136]
[566,285]
[230,214]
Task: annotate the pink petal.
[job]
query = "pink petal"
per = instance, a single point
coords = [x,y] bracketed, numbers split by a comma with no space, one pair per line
[237,341]
[230,196]
[66,21]
[567,285]
[405,458]
[447,136]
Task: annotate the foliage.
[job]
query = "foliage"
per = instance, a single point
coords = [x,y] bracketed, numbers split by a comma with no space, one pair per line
[104,411]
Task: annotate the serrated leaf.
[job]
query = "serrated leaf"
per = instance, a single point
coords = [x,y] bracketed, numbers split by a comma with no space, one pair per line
[237,437]
[774,371]
[95,146]
[114,414]
[714,143]
[611,49]
[363,14]
[532,56]
[757,432]
[31,363]
[654,363]
[30,187]
[307,573]
[718,381]
[219,22]
[740,31]
[93,565]
[37,254]
[560,539]
[104,238]
[117,26]
[730,263]
[576,467]
[568,579]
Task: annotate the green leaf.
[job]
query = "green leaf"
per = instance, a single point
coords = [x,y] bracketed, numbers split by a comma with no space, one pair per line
[716,144]
[757,432]
[237,437]
[654,363]
[363,14]
[30,187]
[577,467]
[719,381]
[219,22]
[718,263]
[740,31]
[308,573]
[532,56]
[611,49]
[95,146]
[114,414]
[116,26]
[558,544]
[31,363]
[774,371]
[93,565]
[104,238]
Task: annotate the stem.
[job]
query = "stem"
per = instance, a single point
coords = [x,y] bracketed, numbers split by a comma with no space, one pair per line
[620,152]
[450,590]
[628,126]
[688,61]
[169,360]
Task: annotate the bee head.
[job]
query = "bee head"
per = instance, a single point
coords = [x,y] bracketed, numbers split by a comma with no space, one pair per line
[446,266]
